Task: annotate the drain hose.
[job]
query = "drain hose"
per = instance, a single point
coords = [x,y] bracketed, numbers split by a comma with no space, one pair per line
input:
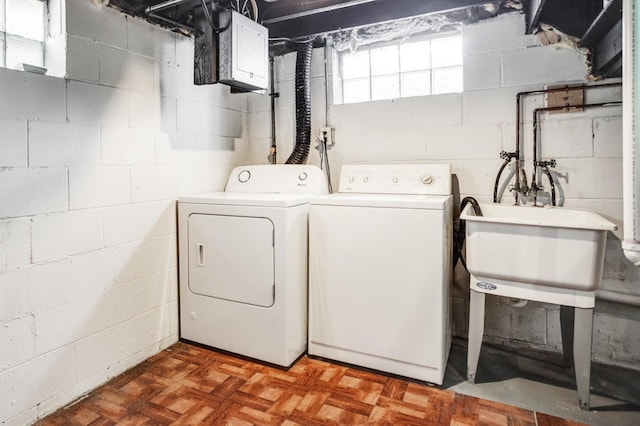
[459,235]
[303,105]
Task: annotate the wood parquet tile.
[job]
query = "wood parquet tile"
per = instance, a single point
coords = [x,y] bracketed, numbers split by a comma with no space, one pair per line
[190,385]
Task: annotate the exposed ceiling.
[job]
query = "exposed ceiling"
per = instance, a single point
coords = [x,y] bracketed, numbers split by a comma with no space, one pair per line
[596,23]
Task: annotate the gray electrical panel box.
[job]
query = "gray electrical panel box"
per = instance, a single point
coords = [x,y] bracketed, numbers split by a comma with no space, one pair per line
[243,52]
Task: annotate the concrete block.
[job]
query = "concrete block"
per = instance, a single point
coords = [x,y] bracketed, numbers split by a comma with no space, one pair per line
[156,325]
[613,342]
[155,255]
[187,116]
[153,183]
[137,222]
[543,65]
[18,342]
[202,179]
[168,114]
[578,179]
[15,298]
[83,59]
[488,107]
[150,40]
[123,303]
[33,191]
[176,80]
[126,146]
[145,110]
[65,324]
[15,243]
[477,177]
[607,137]
[101,351]
[258,102]
[178,148]
[49,285]
[96,271]
[95,104]
[13,152]
[64,234]
[564,137]
[482,72]
[52,372]
[503,33]
[184,52]
[468,142]
[160,289]
[27,417]
[99,186]
[63,144]
[33,96]
[119,68]
[526,324]
[260,125]
[93,21]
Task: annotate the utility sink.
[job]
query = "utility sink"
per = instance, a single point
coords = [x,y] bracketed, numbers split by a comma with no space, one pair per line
[548,246]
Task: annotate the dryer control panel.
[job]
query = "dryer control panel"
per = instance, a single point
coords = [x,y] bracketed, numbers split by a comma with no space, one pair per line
[418,179]
[278,178]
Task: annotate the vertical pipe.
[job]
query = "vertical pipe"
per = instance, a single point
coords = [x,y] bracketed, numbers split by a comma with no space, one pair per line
[630,120]
[273,151]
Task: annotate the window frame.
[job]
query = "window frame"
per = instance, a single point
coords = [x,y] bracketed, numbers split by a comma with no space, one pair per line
[399,74]
[6,36]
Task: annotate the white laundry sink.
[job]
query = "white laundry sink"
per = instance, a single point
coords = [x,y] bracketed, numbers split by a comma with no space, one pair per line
[549,246]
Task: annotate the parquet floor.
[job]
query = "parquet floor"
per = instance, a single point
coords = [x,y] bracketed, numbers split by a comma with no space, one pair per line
[189,385]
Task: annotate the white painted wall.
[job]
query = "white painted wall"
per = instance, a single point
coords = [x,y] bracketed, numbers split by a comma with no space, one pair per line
[90,168]
[468,130]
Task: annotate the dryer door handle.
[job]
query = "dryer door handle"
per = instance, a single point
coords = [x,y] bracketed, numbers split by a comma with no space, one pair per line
[200,254]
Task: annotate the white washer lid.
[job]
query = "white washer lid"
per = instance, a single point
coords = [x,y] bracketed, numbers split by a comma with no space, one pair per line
[248,199]
[430,202]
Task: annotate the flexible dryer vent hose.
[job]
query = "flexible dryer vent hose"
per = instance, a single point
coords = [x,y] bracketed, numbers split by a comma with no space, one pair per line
[303,105]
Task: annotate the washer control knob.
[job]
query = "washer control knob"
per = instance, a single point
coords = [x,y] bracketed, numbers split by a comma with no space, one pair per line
[302,176]
[244,176]
[365,179]
[427,180]
[351,179]
[395,179]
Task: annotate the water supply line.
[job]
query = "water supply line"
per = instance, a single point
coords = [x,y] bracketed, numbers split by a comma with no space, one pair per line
[303,104]
[520,186]
[545,164]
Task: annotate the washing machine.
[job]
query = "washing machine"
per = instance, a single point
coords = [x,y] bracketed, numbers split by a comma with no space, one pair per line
[243,262]
[380,270]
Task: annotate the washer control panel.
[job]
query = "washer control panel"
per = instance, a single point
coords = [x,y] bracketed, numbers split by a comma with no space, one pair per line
[425,179]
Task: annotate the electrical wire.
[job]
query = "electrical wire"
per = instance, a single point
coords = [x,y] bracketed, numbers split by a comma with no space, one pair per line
[292,40]
[207,15]
[255,10]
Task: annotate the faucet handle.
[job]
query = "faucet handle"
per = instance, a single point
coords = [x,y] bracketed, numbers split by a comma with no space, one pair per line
[507,155]
[547,163]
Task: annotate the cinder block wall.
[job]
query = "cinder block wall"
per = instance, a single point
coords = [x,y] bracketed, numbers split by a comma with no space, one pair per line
[468,130]
[90,168]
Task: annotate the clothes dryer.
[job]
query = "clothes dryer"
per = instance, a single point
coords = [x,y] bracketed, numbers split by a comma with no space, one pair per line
[380,269]
[243,262]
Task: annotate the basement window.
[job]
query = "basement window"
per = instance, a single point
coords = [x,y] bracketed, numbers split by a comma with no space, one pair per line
[402,70]
[22,33]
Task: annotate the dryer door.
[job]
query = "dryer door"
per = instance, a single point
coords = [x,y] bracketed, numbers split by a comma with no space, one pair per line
[232,258]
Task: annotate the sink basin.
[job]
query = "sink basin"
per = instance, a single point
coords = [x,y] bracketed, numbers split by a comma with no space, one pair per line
[548,246]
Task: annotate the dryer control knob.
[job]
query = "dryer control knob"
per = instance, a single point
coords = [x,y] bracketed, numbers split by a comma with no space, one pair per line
[365,179]
[395,179]
[351,179]
[302,176]
[244,176]
[427,180]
